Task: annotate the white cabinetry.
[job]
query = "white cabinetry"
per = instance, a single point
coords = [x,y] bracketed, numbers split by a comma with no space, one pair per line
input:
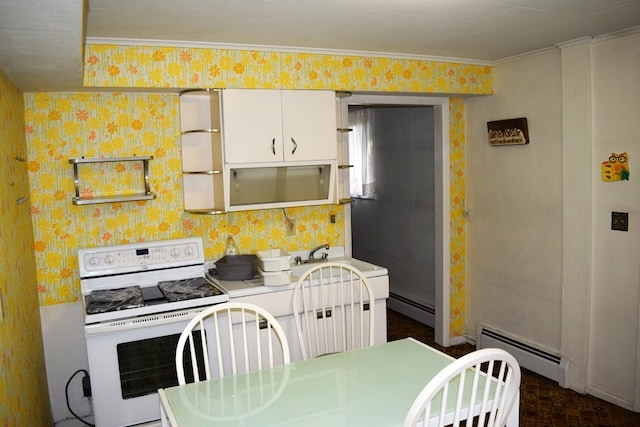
[202,161]
[278,125]
[279,303]
[280,148]
[246,149]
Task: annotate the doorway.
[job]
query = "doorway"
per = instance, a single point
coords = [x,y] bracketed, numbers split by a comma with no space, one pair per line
[410,294]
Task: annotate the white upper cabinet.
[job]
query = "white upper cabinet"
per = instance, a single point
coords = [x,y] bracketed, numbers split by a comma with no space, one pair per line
[309,124]
[278,125]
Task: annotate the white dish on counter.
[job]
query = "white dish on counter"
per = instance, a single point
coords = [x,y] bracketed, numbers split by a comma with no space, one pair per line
[275,278]
[274,260]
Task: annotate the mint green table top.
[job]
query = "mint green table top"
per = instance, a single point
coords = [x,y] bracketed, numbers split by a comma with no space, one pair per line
[373,387]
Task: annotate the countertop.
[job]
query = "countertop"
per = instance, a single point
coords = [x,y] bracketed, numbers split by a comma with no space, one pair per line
[255,286]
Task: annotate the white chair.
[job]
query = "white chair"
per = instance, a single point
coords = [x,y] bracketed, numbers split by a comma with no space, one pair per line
[228,339]
[494,394]
[333,307]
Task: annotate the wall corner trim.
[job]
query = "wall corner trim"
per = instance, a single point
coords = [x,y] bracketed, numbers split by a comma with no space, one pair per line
[575,42]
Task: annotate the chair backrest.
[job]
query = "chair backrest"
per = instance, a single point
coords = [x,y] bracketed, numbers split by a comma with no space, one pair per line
[227,339]
[443,402]
[333,307]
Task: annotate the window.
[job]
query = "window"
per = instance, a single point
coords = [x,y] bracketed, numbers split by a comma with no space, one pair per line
[361,153]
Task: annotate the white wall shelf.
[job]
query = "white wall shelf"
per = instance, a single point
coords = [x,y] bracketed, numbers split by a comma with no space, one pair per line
[202,166]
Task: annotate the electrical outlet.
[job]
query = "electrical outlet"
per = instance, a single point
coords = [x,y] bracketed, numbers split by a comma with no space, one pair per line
[620,221]
[291,227]
[332,218]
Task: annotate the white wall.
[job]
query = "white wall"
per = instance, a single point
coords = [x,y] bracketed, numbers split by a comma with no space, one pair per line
[65,352]
[544,265]
[616,254]
[514,197]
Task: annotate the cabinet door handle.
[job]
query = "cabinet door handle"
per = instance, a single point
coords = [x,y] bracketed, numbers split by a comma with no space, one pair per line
[295,145]
[273,146]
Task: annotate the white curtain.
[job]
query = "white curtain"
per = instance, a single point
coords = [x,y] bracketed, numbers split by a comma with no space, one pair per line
[362,176]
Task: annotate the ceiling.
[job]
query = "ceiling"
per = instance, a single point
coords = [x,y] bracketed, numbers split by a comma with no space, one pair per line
[41,40]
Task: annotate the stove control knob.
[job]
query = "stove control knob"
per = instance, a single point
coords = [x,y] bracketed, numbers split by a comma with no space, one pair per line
[188,251]
[108,260]
[175,252]
[94,261]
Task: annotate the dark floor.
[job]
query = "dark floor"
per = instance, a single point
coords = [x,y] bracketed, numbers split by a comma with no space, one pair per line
[542,401]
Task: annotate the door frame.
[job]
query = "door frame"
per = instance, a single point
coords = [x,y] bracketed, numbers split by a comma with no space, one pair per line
[442,195]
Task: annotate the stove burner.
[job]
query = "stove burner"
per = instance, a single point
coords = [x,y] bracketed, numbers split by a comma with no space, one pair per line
[179,290]
[103,301]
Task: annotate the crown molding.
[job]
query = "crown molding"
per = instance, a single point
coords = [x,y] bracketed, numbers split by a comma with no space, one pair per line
[525,55]
[600,39]
[575,42]
[617,34]
[267,48]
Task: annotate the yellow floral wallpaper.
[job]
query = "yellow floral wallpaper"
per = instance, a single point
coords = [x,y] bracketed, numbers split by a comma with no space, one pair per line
[176,67]
[24,399]
[457,214]
[60,126]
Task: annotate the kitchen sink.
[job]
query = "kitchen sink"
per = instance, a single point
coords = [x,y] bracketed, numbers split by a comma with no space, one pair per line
[365,267]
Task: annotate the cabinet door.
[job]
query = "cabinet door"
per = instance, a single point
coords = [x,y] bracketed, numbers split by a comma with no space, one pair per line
[309,125]
[252,125]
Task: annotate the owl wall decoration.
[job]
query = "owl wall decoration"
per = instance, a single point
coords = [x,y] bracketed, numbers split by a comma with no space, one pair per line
[616,168]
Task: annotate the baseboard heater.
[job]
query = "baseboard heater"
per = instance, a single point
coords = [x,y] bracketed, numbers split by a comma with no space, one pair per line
[412,309]
[412,303]
[529,357]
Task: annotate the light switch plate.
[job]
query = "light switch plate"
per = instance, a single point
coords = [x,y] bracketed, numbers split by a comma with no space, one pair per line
[620,221]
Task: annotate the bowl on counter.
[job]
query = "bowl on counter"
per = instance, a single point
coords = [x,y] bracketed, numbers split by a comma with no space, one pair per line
[236,267]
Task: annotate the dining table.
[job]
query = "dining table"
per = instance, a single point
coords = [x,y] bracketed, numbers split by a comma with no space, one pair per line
[373,386]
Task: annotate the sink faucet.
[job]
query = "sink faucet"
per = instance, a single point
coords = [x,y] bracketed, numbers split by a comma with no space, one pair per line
[316,249]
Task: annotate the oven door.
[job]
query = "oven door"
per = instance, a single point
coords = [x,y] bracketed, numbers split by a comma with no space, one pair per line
[129,360]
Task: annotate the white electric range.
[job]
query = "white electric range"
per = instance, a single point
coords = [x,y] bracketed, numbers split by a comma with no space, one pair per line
[137,299]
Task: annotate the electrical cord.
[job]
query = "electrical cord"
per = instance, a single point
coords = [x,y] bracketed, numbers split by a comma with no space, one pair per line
[66,395]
